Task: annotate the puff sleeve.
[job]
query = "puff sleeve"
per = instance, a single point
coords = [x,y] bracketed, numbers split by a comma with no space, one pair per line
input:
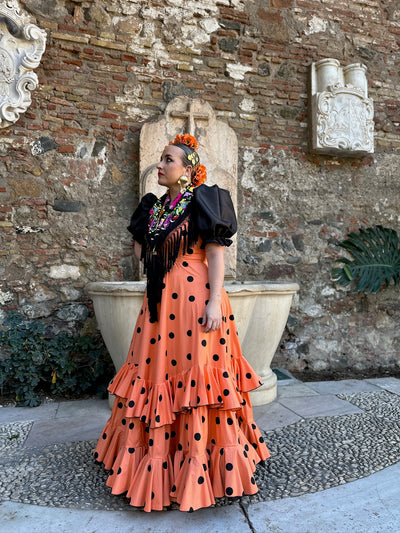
[140,217]
[214,215]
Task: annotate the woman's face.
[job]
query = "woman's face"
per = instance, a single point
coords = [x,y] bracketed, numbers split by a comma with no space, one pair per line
[170,168]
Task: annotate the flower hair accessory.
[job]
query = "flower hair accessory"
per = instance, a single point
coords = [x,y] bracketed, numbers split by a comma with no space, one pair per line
[200,175]
[187,139]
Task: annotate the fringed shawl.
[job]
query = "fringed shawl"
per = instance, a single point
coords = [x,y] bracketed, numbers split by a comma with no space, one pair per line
[158,263]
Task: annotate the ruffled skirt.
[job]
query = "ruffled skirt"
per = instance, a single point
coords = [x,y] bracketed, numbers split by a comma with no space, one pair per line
[182,428]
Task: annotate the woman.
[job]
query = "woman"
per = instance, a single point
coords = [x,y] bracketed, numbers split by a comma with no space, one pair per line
[182,428]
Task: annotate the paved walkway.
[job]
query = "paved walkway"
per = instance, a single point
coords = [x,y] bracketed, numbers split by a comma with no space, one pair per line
[370,504]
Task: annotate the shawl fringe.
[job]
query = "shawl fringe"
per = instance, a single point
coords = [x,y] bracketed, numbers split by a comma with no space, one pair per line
[157,264]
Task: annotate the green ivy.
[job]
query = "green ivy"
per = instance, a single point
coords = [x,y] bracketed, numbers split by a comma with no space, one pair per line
[31,362]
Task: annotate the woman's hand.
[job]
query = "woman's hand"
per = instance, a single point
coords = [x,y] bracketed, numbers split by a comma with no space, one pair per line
[212,317]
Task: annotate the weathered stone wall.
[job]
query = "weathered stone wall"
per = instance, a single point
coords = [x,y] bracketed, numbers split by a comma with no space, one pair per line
[69,166]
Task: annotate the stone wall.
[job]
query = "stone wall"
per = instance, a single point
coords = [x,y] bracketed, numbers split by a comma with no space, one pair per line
[69,166]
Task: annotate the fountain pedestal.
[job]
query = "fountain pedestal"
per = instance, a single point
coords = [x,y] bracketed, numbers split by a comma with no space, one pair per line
[261,310]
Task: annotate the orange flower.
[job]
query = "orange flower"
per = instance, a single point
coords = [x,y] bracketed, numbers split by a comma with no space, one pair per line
[200,175]
[186,139]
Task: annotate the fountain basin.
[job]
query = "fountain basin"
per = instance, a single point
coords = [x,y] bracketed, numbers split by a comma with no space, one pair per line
[261,310]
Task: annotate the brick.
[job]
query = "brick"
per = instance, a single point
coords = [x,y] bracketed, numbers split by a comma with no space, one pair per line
[66,37]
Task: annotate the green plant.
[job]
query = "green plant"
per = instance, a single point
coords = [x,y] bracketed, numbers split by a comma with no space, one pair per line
[31,362]
[375,263]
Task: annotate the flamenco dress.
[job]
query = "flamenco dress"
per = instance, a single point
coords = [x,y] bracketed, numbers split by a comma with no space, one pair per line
[182,427]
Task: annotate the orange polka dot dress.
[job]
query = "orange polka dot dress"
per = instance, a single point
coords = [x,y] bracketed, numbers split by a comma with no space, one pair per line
[182,428]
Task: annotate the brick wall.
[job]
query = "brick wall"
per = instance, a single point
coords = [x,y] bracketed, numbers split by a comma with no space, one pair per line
[111,65]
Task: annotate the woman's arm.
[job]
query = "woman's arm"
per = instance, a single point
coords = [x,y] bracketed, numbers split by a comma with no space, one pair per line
[212,317]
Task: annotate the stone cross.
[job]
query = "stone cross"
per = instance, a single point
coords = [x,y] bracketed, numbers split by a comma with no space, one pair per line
[191,115]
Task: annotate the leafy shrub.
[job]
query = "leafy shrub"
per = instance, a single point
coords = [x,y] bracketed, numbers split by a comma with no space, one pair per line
[375,260]
[31,361]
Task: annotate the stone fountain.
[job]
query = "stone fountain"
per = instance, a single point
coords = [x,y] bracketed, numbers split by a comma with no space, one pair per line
[261,308]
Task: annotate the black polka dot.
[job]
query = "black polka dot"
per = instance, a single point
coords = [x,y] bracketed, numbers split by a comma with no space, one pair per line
[131,425]
[149,468]
[180,384]
[171,335]
[173,362]
[225,374]
[143,390]
[189,356]
[230,421]
[165,465]
[216,357]
[226,392]
[219,398]
[253,481]
[190,251]
[204,467]
[185,264]
[217,420]
[191,298]
[131,450]
[143,418]
[148,360]
[120,405]
[95,455]
[152,495]
[221,452]
[229,491]
[200,480]
[159,337]
[204,343]
[173,489]
[246,447]
[248,375]
[261,440]
[151,442]
[229,466]
[166,377]
[197,436]
[206,302]
[152,320]
[245,454]
[208,386]
[131,403]
[123,421]
[104,436]
[173,434]
[189,333]
[198,399]
[158,419]
[138,330]
[166,435]
[160,398]
[172,316]
[190,278]
[222,341]
[180,448]
[153,340]
[213,441]
[207,285]
[231,317]
[227,331]
[119,471]
[174,295]
[193,383]
[141,311]
[203,419]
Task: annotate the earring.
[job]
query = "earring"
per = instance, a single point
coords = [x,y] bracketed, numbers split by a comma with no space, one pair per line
[182,182]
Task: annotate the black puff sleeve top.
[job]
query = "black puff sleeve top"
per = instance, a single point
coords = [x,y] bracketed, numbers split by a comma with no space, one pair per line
[214,215]
[140,218]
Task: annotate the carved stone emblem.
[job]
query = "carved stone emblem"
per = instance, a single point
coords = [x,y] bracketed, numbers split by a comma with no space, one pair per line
[21,47]
[341,112]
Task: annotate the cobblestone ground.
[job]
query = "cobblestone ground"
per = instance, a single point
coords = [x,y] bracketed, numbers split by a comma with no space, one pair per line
[308,456]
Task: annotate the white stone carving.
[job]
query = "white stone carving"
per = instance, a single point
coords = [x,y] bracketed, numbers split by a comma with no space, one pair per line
[21,47]
[341,112]
[218,151]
